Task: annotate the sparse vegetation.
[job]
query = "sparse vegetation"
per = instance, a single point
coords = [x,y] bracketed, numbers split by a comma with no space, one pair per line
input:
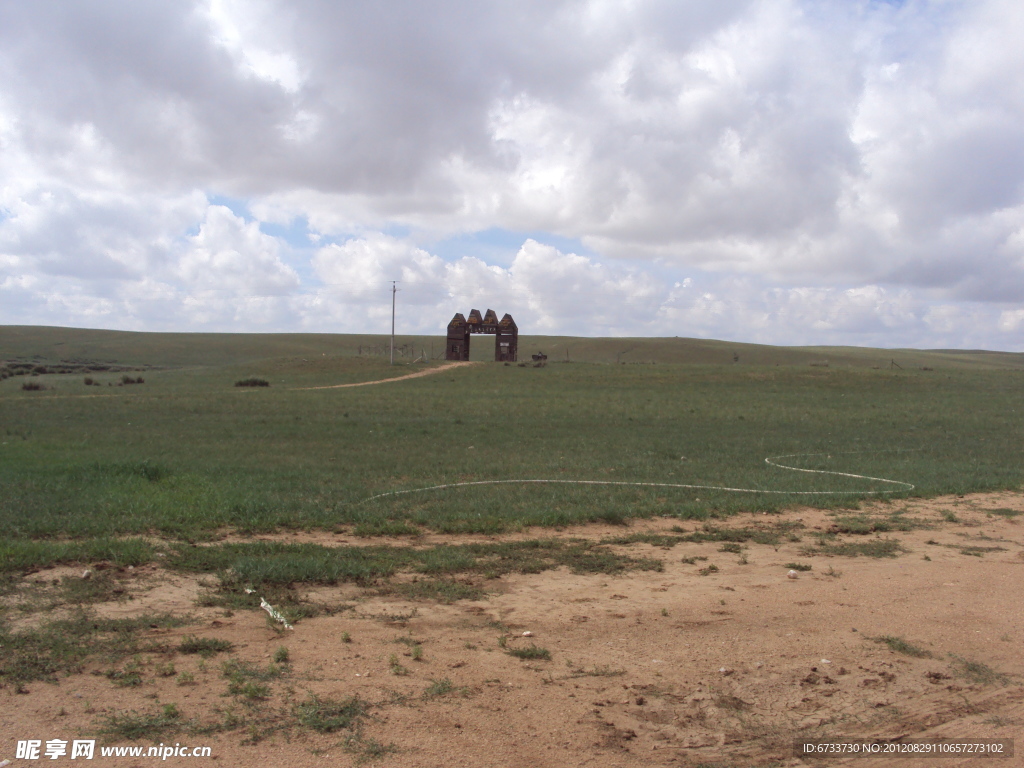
[396,666]
[873,548]
[63,645]
[325,715]
[252,382]
[976,672]
[204,646]
[531,652]
[899,645]
[798,566]
[135,726]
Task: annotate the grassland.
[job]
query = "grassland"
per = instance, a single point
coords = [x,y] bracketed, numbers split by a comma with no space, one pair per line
[186,453]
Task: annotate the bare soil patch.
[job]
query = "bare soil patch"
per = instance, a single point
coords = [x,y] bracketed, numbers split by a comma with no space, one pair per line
[692,665]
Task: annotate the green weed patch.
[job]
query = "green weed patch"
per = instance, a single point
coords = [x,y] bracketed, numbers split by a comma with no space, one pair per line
[62,646]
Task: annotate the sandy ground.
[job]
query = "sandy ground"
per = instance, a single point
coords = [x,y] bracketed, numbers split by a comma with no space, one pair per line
[670,668]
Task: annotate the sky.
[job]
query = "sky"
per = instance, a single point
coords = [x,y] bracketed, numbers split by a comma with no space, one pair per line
[773,171]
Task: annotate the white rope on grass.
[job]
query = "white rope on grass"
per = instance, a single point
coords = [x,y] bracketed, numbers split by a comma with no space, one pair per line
[769,460]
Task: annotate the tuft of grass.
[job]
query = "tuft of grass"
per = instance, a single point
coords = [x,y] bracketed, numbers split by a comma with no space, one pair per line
[128,677]
[185,678]
[899,645]
[325,715]
[204,646]
[445,591]
[135,726]
[874,548]
[708,570]
[396,666]
[798,566]
[441,688]
[252,382]
[281,655]
[368,749]
[602,671]
[1009,514]
[531,652]
[976,672]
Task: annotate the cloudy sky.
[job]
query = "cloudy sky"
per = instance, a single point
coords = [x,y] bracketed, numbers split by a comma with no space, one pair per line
[777,171]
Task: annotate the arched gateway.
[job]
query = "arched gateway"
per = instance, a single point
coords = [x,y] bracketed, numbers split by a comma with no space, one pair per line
[506,332]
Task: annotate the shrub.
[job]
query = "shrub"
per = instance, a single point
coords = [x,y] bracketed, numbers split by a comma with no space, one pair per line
[252,382]
[32,386]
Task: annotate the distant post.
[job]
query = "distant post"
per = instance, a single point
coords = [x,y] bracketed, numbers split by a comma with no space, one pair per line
[394,290]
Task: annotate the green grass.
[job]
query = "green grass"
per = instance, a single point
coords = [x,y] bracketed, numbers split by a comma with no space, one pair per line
[62,646]
[204,646]
[439,688]
[273,565]
[874,548]
[188,453]
[326,715]
[134,726]
[531,652]
[24,554]
[1009,514]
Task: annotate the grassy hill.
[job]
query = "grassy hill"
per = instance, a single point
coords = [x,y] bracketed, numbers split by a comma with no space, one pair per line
[49,344]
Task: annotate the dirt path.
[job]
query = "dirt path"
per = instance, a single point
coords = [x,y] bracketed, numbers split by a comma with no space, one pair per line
[424,372]
[718,659]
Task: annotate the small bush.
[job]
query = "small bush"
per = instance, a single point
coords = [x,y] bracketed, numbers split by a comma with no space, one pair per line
[126,379]
[32,386]
[89,381]
[252,382]
[798,566]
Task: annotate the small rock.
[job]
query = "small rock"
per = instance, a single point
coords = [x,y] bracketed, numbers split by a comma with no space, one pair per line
[86,575]
[527,633]
[825,661]
[726,671]
[792,575]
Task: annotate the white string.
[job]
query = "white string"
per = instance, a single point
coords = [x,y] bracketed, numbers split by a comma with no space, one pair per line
[770,461]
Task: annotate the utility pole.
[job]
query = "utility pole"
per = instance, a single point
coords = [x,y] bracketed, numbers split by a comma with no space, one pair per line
[394,290]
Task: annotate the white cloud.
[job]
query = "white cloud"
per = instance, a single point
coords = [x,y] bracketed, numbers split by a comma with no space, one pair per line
[233,256]
[850,172]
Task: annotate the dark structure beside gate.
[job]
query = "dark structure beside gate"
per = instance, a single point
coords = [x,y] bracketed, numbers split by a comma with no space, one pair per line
[506,332]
